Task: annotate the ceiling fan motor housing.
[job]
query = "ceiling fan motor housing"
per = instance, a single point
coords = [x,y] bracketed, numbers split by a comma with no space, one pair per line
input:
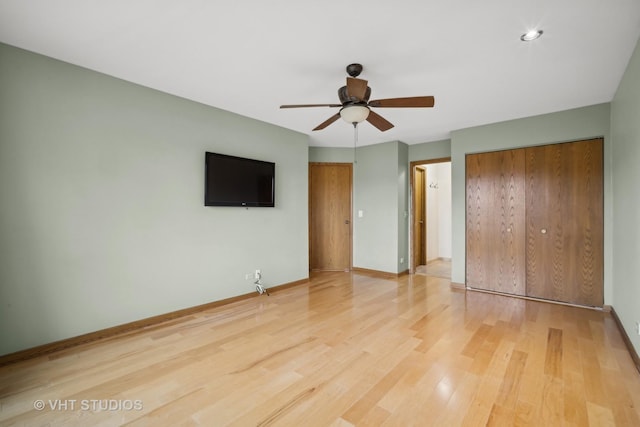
[344,97]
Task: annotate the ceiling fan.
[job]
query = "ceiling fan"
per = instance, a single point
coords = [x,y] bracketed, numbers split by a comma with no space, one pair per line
[356,107]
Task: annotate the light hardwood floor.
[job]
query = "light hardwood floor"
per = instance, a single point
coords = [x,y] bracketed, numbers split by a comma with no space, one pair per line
[344,350]
[438,268]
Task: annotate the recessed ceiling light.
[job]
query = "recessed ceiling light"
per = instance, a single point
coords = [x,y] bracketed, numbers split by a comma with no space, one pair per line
[531,35]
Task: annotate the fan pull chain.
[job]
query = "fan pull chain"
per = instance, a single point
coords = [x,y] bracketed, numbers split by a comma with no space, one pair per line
[355,141]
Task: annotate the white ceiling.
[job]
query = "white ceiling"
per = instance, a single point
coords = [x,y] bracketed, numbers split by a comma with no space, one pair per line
[251,56]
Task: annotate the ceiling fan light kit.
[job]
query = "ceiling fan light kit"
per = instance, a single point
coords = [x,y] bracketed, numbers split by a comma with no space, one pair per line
[354,113]
[356,107]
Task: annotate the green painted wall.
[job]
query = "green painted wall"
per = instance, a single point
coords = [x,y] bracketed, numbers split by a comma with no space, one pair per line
[625,133]
[570,125]
[430,150]
[403,207]
[331,155]
[376,194]
[101,192]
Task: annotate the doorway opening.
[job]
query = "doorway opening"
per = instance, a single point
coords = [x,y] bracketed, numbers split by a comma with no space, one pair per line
[430,231]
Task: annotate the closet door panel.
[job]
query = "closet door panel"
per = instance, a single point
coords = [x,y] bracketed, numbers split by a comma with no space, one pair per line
[496,221]
[545,233]
[564,205]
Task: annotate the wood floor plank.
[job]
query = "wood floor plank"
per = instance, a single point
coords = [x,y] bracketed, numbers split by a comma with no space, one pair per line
[552,405]
[345,349]
[575,405]
[510,387]
[370,400]
[600,416]
[501,416]
[524,415]
[553,359]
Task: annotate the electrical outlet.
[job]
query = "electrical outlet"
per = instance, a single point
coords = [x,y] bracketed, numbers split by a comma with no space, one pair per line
[248,276]
[401,260]
[257,274]
[638,328]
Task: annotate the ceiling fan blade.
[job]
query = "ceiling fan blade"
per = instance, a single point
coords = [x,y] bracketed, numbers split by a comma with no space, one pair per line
[411,102]
[378,121]
[356,88]
[327,122]
[309,105]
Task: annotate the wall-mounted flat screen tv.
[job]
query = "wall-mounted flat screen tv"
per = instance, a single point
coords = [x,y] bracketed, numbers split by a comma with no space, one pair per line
[236,181]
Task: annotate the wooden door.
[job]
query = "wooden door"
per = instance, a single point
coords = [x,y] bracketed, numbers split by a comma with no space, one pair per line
[496,221]
[419,218]
[565,222]
[330,216]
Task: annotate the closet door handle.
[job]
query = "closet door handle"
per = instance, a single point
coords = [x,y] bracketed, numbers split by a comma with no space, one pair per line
[543,231]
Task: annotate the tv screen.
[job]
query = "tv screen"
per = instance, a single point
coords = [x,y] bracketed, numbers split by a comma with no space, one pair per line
[236,181]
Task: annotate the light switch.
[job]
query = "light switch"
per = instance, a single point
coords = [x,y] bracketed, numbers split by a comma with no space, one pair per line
[360,213]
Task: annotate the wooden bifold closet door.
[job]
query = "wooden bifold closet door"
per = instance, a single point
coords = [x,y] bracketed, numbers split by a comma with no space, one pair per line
[496,221]
[565,222]
[535,222]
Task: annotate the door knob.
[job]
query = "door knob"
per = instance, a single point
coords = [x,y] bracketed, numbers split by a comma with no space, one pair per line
[543,231]
[346,221]
[509,230]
